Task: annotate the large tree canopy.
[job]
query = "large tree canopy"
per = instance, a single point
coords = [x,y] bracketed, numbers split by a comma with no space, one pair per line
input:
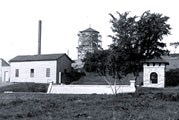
[143,36]
[138,38]
[152,27]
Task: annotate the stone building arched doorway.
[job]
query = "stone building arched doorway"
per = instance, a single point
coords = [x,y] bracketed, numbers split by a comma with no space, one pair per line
[154,78]
[154,73]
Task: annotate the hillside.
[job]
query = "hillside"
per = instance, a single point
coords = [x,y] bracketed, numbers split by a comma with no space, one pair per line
[96,79]
[91,79]
[173,61]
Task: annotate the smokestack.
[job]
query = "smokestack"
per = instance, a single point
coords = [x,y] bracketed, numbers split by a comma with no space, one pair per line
[39,37]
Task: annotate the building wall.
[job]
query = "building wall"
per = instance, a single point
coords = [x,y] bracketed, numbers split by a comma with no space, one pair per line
[39,71]
[63,64]
[5,73]
[91,89]
[159,69]
[0,70]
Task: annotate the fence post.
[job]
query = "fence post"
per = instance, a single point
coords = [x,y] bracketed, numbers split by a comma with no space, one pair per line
[132,83]
[49,87]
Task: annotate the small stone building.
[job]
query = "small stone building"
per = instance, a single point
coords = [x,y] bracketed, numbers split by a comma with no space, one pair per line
[154,73]
[39,68]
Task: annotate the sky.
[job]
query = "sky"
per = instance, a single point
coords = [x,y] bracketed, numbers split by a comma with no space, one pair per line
[63,19]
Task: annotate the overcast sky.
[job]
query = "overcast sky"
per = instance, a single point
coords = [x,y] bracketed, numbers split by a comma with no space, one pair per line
[63,19]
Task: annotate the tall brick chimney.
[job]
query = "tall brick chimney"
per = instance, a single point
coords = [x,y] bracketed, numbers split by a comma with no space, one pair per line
[39,36]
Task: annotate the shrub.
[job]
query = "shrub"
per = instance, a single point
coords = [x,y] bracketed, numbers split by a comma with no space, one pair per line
[69,77]
[38,87]
[172,77]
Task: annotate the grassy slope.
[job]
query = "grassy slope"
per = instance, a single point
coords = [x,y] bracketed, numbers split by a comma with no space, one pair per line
[90,79]
[145,104]
[95,79]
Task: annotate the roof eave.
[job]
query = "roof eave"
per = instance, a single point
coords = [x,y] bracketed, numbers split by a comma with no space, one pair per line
[166,63]
[29,60]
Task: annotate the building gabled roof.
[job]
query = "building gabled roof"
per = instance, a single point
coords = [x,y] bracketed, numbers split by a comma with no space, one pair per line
[43,57]
[4,63]
[157,60]
[90,30]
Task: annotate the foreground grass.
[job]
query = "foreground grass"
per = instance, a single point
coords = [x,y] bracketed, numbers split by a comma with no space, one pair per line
[145,104]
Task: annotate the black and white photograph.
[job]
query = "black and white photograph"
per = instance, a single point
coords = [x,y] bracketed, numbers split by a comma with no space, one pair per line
[89,60]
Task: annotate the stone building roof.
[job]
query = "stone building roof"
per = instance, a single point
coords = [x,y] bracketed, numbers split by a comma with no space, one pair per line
[44,57]
[90,30]
[157,60]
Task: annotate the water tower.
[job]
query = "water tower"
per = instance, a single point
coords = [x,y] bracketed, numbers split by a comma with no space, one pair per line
[89,41]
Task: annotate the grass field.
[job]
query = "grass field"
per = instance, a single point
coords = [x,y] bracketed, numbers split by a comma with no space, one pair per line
[145,104]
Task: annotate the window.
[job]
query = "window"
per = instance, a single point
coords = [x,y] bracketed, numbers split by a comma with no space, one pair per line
[31,72]
[47,72]
[17,73]
[153,77]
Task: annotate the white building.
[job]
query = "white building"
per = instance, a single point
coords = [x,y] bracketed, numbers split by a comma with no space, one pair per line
[154,73]
[4,71]
[39,68]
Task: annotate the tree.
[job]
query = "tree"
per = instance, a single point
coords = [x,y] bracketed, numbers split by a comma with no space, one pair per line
[101,63]
[96,62]
[124,42]
[138,40]
[152,27]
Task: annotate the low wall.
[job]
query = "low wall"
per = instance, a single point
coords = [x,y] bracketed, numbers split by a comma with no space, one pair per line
[91,89]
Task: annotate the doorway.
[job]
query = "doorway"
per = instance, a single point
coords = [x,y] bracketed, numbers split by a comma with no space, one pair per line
[6,76]
[154,78]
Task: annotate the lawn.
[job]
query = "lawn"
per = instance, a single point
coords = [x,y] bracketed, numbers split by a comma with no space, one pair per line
[145,104]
